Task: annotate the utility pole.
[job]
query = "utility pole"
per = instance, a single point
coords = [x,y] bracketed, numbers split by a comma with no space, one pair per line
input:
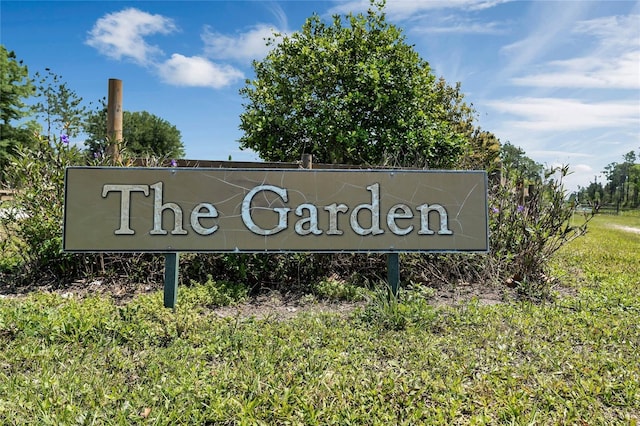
[114,120]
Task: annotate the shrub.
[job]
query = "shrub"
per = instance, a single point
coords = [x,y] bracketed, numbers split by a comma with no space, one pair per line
[525,231]
[31,229]
[214,293]
[34,223]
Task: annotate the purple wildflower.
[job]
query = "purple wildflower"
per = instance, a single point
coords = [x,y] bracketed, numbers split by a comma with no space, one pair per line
[64,139]
[174,163]
[520,209]
[495,210]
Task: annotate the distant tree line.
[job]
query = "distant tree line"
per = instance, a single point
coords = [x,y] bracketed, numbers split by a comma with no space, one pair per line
[622,185]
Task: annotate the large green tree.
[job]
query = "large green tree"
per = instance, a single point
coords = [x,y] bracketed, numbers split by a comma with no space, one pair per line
[351,92]
[144,135]
[15,88]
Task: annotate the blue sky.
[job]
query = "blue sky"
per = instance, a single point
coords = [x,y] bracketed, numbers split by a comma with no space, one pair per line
[560,79]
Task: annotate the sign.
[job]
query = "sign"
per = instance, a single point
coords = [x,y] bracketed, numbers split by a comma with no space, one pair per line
[165,210]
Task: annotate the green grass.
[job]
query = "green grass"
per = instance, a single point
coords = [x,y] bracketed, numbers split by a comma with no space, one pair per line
[572,361]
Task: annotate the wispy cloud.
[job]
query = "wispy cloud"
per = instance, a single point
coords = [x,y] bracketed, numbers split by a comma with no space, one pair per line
[578,82]
[556,153]
[612,62]
[406,10]
[552,19]
[614,31]
[426,16]
[456,24]
[279,14]
[596,72]
[242,47]
[554,114]
[121,35]
[248,45]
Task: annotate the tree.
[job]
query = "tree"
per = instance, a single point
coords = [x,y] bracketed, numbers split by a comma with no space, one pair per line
[629,160]
[15,87]
[518,166]
[60,107]
[591,194]
[483,149]
[144,135]
[353,92]
[623,180]
[634,179]
[483,152]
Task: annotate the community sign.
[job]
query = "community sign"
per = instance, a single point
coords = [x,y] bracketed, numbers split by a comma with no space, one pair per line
[111,209]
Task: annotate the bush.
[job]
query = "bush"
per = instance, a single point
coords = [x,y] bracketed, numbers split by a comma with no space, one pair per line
[31,230]
[525,230]
[333,289]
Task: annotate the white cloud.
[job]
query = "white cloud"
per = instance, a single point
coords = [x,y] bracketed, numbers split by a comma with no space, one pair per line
[553,114]
[579,176]
[613,31]
[196,71]
[121,34]
[243,47]
[582,168]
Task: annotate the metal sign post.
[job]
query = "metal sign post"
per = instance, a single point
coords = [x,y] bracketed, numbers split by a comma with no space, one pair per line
[171,268]
[393,272]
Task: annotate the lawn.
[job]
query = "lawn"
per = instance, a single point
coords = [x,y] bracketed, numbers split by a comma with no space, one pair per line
[575,360]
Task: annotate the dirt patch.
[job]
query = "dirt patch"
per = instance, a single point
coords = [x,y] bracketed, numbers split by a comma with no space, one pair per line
[280,307]
[626,228]
[465,292]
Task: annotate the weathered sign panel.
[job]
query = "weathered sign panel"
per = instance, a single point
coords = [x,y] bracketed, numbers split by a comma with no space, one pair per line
[255,210]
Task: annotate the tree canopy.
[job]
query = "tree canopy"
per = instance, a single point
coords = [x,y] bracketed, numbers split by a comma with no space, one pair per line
[518,166]
[15,88]
[351,92]
[144,134]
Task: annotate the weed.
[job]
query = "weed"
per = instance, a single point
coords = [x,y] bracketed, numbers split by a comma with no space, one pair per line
[213,293]
[398,312]
[335,289]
